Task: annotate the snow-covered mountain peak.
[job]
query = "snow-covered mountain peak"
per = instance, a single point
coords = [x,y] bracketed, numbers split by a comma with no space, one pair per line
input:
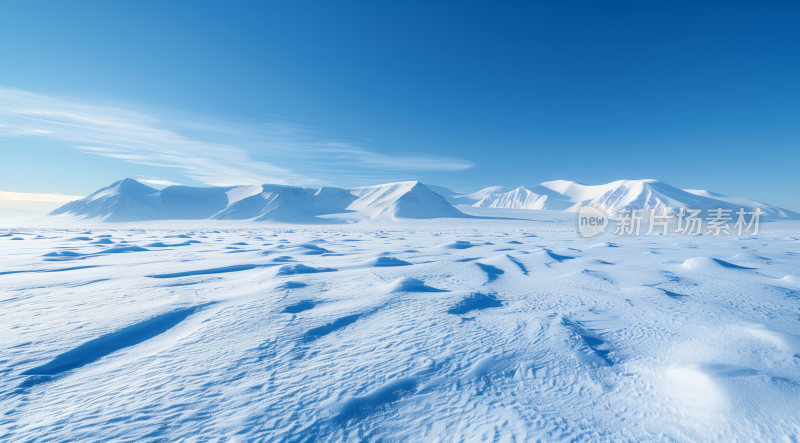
[409,199]
[517,198]
[126,186]
[579,191]
[485,192]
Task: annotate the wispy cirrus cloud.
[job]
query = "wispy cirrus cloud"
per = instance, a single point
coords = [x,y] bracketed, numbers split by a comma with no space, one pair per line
[215,154]
[375,160]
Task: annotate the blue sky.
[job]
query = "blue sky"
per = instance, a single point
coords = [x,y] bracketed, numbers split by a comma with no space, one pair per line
[461,94]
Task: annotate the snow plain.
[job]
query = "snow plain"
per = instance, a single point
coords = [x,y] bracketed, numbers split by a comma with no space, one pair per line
[425,330]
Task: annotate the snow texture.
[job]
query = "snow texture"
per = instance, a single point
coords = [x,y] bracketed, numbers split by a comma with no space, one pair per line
[433,330]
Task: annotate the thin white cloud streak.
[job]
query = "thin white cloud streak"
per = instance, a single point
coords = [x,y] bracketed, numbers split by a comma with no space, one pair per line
[347,153]
[131,136]
[141,138]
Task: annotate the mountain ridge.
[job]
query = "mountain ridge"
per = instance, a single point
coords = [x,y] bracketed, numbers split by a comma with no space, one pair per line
[565,195]
[129,200]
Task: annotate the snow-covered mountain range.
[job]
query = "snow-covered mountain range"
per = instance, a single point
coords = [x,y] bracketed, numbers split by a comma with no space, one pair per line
[564,195]
[130,200]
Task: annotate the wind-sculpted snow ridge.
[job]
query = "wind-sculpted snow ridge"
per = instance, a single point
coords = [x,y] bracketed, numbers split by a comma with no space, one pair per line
[450,330]
[128,200]
[107,344]
[409,284]
[387,261]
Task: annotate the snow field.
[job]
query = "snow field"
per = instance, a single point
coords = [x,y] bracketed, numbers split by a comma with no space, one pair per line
[436,330]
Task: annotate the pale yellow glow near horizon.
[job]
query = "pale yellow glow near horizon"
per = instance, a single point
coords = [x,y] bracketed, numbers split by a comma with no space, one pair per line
[6,196]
